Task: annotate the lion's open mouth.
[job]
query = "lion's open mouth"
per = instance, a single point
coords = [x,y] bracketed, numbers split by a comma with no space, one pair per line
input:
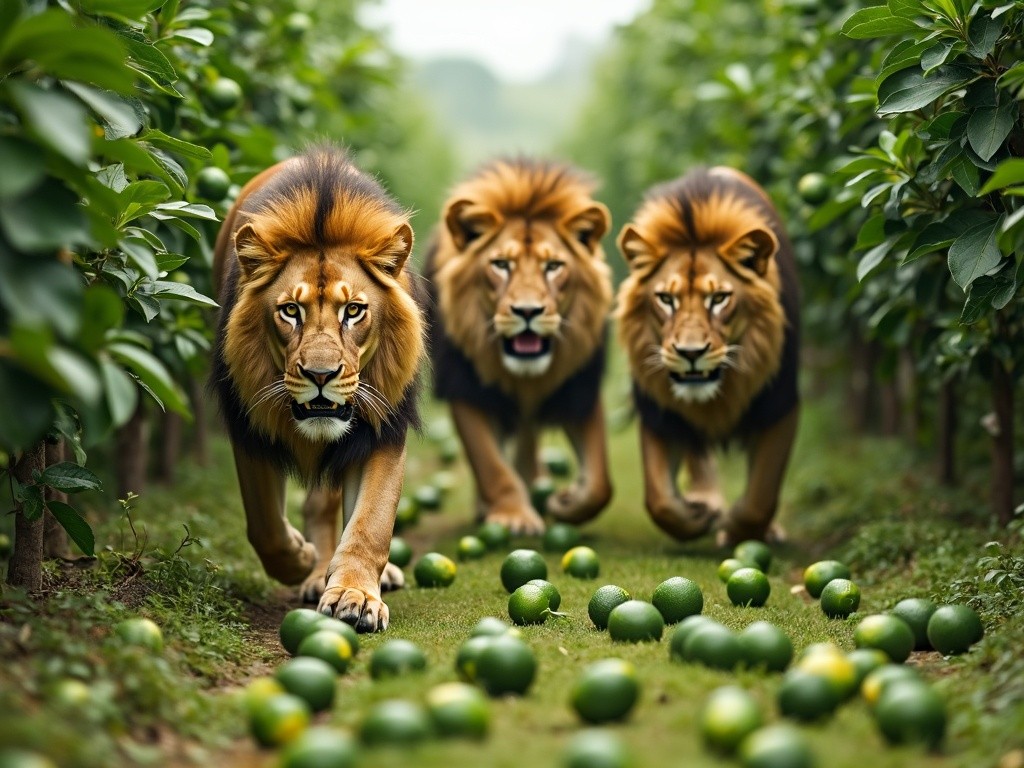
[695,377]
[320,408]
[527,345]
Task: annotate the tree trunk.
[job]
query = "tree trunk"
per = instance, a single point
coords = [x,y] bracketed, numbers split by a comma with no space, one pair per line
[25,568]
[1002,443]
[132,454]
[172,426]
[201,441]
[55,538]
[947,429]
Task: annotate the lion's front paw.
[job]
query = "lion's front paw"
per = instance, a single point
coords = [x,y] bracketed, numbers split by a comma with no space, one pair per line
[313,586]
[362,609]
[576,504]
[391,578]
[683,520]
[520,520]
[292,563]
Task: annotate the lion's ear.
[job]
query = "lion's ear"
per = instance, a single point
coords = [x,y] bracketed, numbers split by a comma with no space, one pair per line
[466,221]
[391,254]
[637,252]
[752,250]
[590,225]
[253,251]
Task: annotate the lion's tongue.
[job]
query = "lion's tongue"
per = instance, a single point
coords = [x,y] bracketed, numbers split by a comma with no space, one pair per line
[526,343]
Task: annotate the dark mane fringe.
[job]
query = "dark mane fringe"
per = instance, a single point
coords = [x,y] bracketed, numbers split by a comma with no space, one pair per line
[528,187]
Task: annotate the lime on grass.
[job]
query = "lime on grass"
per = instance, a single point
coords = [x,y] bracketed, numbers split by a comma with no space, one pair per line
[866,661]
[878,680]
[748,587]
[765,646]
[309,678]
[594,748]
[887,633]
[776,746]
[603,601]
[606,691]
[520,566]
[833,665]
[140,632]
[560,537]
[339,627]
[296,625]
[317,747]
[407,514]
[493,534]
[395,722]
[682,632]
[713,645]
[458,711]
[428,498]
[840,598]
[817,575]
[328,646]
[490,626]
[556,460]
[807,696]
[260,689]
[444,481]
[635,621]
[400,553]
[916,611]
[278,719]
[529,604]
[676,598]
[540,490]
[954,629]
[911,713]
[554,596]
[506,666]
[470,548]
[581,562]
[434,570]
[68,693]
[468,655]
[727,717]
[728,567]
[395,658]
[755,554]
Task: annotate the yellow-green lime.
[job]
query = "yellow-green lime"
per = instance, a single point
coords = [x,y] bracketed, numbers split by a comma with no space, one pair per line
[521,565]
[22,758]
[493,534]
[954,629]
[329,646]
[529,604]
[213,183]
[677,644]
[395,722]
[879,679]
[427,498]
[279,719]
[224,94]
[603,601]
[506,665]
[713,645]
[916,611]
[295,625]
[748,587]
[434,570]
[407,514]
[606,691]
[727,717]
[339,627]
[728,567]
[911,713]
[866,661]
[835,667]
[807,696]
[840,598]
[400,552]
[297,24]
[813,188]
[540,490]
[776,746]
[68,693]
[490,626]
[817,575]
[560,537]
[445,481]
[260,689]
[140,632]
[556,460]
[396,658]
[458,711]
[676,598]
[581,562]
[886,633]
[595,748]
[468,655]
[309,678]
[6,545]
[764,646]
[470,548]
[635,621]
[319,747]
[554,596]
[755,554]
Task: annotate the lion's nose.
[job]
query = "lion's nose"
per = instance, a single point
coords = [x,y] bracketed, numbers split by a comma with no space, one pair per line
[320,376]
[527,311]
[693,354]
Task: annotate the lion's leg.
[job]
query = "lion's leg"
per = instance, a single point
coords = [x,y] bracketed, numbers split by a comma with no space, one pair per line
[751,516]
[525,456]
[504,494]
[666,507]
[592,489]
[320,521]
[371,492]
[285,554]
[703,489]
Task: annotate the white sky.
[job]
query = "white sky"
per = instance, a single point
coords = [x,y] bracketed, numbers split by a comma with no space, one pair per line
[518,39]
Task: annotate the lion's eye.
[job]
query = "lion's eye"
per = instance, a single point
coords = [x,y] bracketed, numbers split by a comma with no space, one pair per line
[552,266]
[290,311]
[718,299]
[666,299]
[502,265]
[354,312]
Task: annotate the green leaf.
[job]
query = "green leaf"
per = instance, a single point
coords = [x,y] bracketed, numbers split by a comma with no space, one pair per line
[56,119]
[1007,173]
[132,10]
[876,21]
[102,310]
[182,208]
[168,262]
[909,90]
[906,53]
[974,253]
[936,55]
[32,502]
[141,255]
[23,166]
[78,530]
[120,393]
[70,478]
[872,259]
[934,237]
[153,374]
[203,37]
[119,117]
[907,9]
[988,292]
[988,128]
[965,173]
[167,289]
[983,34]
[187,149]
[150,62]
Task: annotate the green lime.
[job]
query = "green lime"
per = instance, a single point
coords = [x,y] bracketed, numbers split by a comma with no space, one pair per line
[521,565]
[748,587]
[581,562]
[727,717]
[911,713]
[506,665]
[753,553]
[395,722]
[953,629]
[396,658]
[813,188]
[69,693]
[560,537]
[833,666]
[470,548]
[6,547]
[297,24]
[444,481]
[540,490]
[866,661]
[916,611]
[434,570]
[468,656]
[556,460]
[140,632]
[820,647]
[529,604]
[427,498]
[886,633]
[840,598]
[278,719]
[776,746]
[400,553]
[213,183]
[879,679]
[329,646]
[807,696]
[224,94]
[407,514]
[489,626]
[714,646]
[728,567]
[339,627]
[296,625]
[764,645]
[459,710]
[554,596]
[683,631]
[677,598]
[606,691]
[635,621]
[817,575]
[311,679]
[21,758]
[448,451]
[603,601]
[258,690]
[594,748]
[494,535]
[319,747]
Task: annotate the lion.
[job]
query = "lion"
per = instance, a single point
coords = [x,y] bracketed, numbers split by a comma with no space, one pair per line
[709,318]
[317,351]
[521,296]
